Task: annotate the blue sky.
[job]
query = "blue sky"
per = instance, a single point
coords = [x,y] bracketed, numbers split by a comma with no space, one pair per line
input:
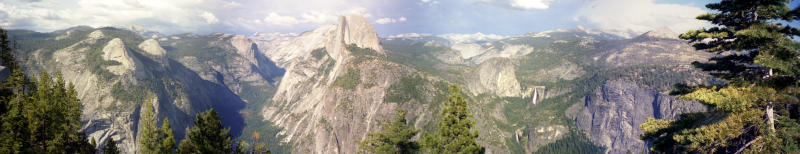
[388,17]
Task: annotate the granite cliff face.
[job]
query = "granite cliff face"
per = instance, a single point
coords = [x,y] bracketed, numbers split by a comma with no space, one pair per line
[282,48]
[611,117]
[152,47]
[495,76]
[117,51]
[184,87]
[321,116]
[352,29]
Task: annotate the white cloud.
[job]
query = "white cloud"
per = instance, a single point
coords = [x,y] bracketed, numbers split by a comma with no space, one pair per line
[429,2]
[516,4]
[641,15]
[390,20]
[276,19]
[385,21]
[318,17]
[210,18]
[530,4]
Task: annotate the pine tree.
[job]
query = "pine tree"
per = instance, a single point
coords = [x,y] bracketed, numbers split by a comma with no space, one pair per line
[111,147]
[207,136]
[167,144]
[396,137]
[149,134]
[38,117]
[760,62]
[454,135]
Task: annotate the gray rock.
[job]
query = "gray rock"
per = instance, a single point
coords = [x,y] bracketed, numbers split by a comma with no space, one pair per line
[611,117]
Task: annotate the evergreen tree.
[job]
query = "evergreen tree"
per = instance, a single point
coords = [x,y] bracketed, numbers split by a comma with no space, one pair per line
[111,147]
[15,134]
[454,135]
[149,134]
[208,136]
[38,117]
[760,61]
[395,138]
[167,139]
[256,148]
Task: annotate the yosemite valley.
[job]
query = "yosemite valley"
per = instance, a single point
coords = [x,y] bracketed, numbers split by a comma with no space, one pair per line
[323,90]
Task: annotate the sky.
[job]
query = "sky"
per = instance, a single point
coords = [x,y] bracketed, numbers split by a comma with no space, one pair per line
[388,17]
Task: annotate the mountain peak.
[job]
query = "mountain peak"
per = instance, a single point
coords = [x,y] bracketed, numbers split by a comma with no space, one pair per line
[353,29]
[581,28]
[662,32]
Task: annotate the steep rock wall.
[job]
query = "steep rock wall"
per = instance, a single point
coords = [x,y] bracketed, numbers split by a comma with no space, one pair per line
[611,117]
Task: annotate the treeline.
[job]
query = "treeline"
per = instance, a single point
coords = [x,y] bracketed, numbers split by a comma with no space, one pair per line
[39,116]
[44,115]
[257,131]
[204,48]
[208,135]
[453,135]
[572,143]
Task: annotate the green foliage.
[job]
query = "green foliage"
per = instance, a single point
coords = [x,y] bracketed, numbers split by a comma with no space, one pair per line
[396,137]
[207,136]
[415,55]
[95,63]
[150,134]
[48,46]
[355,50]
[212,48]
[111,147]
[26,35]
[257,97]
[167,144]
[52,113]
[573,142]
[453,135]
[349,80]
[319,53]
[409,88]
[256,94]
[154,140]
[134,95]
[38,117]
[763,77]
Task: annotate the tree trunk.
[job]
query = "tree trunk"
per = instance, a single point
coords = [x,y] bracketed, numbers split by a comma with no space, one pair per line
[770,115]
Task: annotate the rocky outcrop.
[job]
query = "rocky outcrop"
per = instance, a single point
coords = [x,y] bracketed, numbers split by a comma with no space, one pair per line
[542,135]
[352,29]
[471,38]
[611,117]
[661,32]
[469,50]
[646,51]
[478,53]
[152,47]
[282,48]
[143,32]
[495,76]
[117,51]
[249,50]
[508,50]
[538,93]
[321,117]
[447,55]
[183,92]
